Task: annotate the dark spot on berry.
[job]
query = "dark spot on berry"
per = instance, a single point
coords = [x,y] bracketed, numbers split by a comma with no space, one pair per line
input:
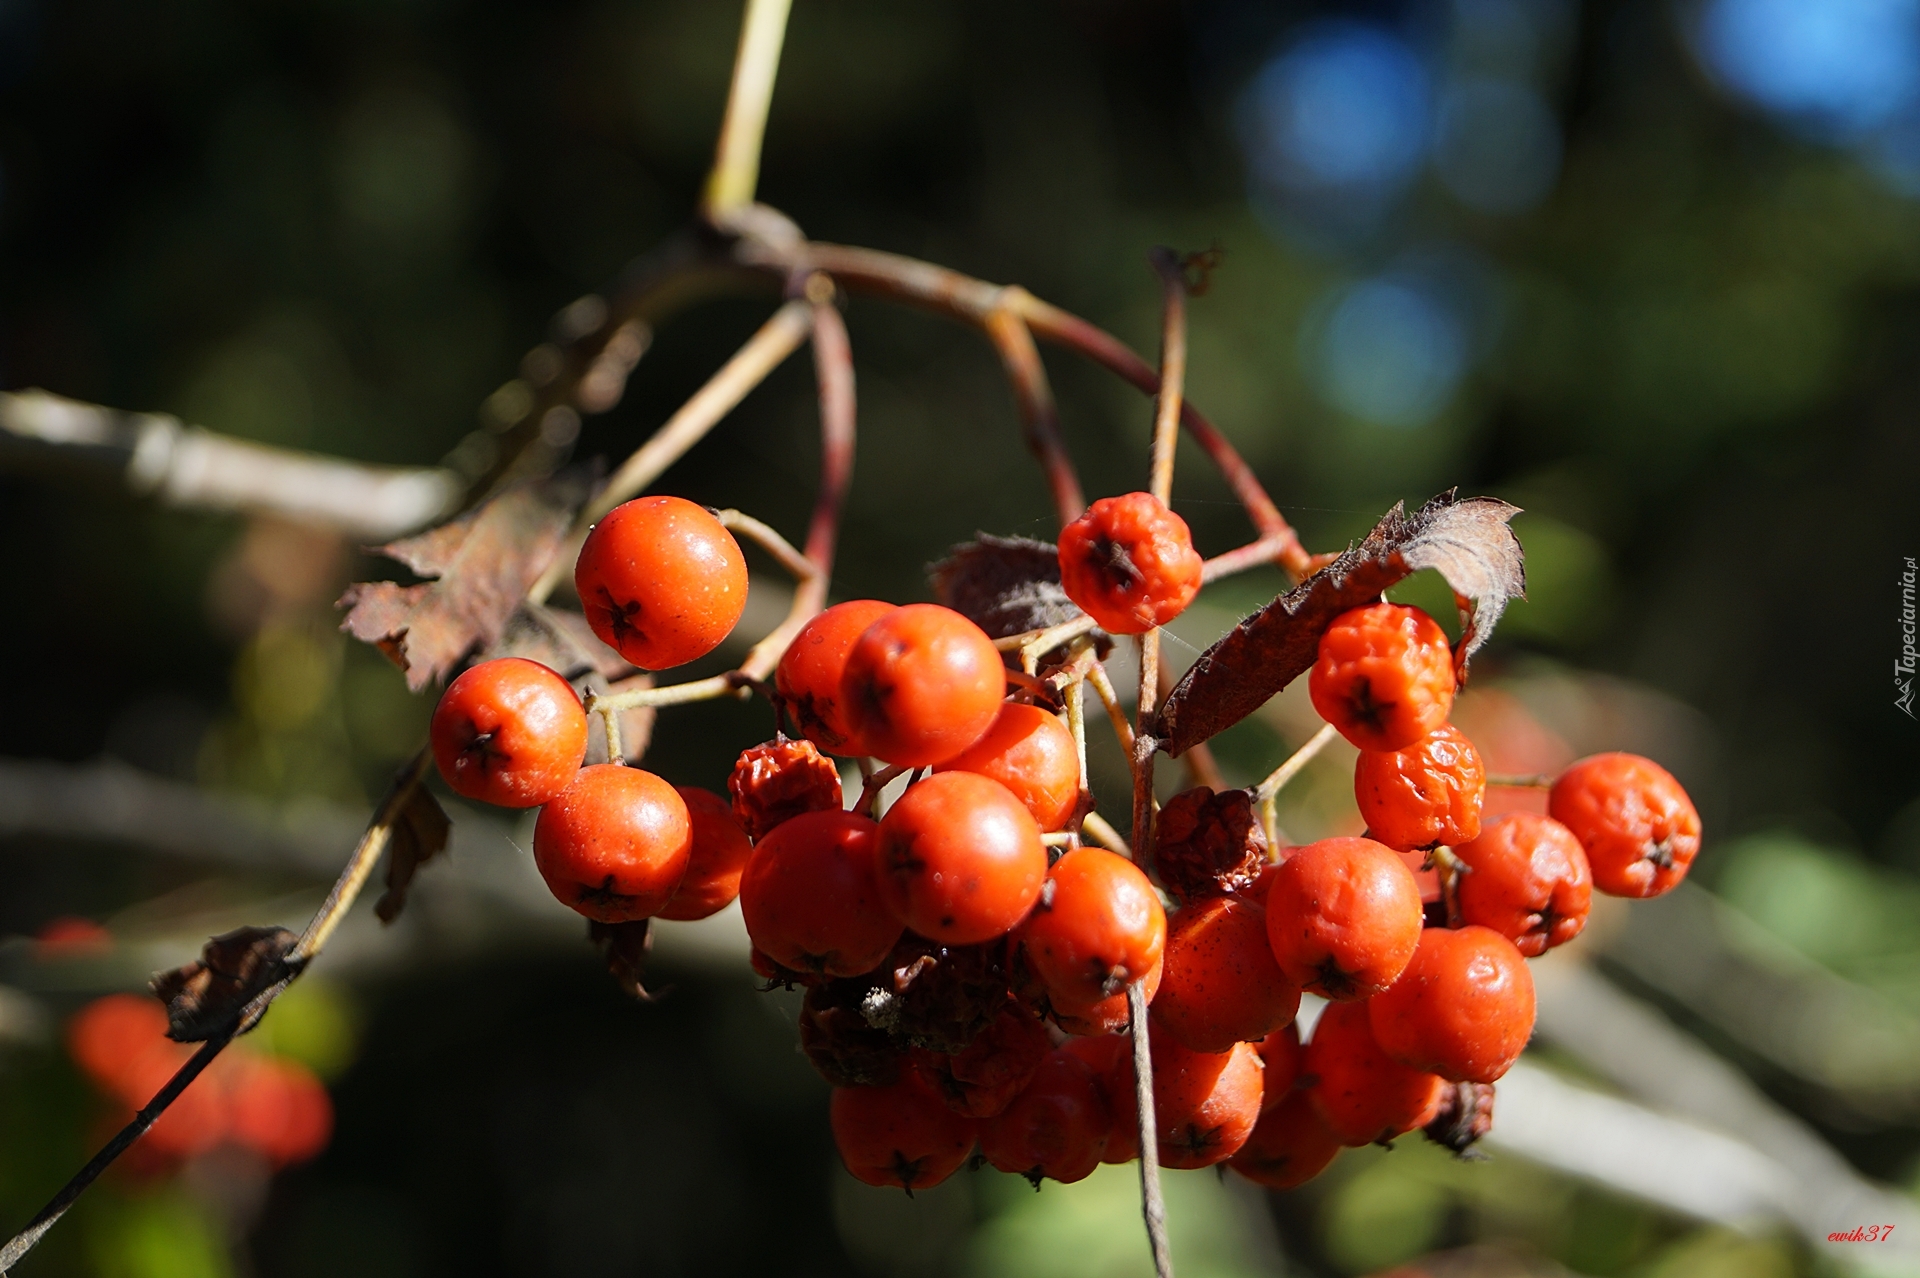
[1364,708]
[604,895]
[1034,1176]
[1333,979]
[1110,557]
[620,618]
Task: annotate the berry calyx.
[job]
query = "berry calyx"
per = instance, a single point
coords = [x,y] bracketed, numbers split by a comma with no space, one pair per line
[1222,984]
[1463,1009]
[1637,825]
[1056,1129]
[1129,563]
[509,732]
[615,845]
[662,581]
[1425,795]
[716,861]
[1384,677]
[961,858]
[899,1135]
[811,895]
[1098,927]
[1290,1145]
[921,685]
[1110,1015]
[1205,1104]
[1343,917]
[1527,879]
[778,780]
[1363,1094]
[1032,754]
[808,677]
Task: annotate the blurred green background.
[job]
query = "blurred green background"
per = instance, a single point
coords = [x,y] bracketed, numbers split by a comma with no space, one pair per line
[1650,270]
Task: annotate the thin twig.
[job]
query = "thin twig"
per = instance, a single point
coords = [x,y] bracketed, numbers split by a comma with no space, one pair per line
[1116,714]
[870,789]
[1033,644]
[1523,781]
[1039,415]
[1173,370]
[778,338]
[1267,550]
[345,889]
[1153,1203]
[1101,831]
[610,725]
[833,369]
[736,159]
[1264,792]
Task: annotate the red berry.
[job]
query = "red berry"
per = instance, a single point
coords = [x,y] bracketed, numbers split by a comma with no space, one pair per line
[982,1078]
[922,684]
[1290,1145]
[1527,879]
[899,1135]
[1222,984]
[1110,1057]
[1031,753]
[615,845]
[808,678]
[1384,677]
[1343,917]
[1638,826]
[1205,1104]
[1129,563]
[1099,926]
[1056,1128]
[1109,1015]
[662,581]
[780,779]
[279,1109]
[1281,1052]
[1364,1094]
[811,895]
[961,858]
[509,732]
[1463,1009]
[1424,796]
[719,855]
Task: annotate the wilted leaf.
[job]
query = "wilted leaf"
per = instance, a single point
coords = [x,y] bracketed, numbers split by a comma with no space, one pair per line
[207,998]
[419,834]
[626,946]
[1004,585]
[1468,542]
[560,640]
[481,565]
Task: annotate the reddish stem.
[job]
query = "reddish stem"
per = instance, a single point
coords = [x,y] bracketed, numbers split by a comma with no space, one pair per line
[833,368]
[1039,416]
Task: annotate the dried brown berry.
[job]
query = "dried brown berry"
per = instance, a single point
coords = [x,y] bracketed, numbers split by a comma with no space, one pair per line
[1209,844]
[982,1079]
[939,996]
[778,780]
[839,1041]
[1466,1114]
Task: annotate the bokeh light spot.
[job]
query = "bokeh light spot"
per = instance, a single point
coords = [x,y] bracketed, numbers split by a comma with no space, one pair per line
[1499,145]
[1346,105]
[1388,351]
[1836,68]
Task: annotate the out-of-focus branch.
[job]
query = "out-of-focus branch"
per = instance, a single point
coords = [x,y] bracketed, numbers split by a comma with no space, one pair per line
[156,454]
[736,160]
[1039,416]
[839,414]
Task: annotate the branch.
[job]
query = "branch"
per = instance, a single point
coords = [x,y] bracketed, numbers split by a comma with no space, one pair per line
[1039,416]
[188,466]
[345,889]
[736,159]
[839,415]
[1173,370]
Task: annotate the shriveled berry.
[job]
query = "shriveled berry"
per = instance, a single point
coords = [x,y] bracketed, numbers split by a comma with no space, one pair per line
[1384,677]
[808,677]
[837,1038]
[939,996]
[982,1078]
[1364,1094]
[1638,826]
[899,1135]
[509,732]
[1129,563]
[810,895]
[1290,1145]
[662,581]
[1425,795]
[1466,1114]
[921,685]
[1222,984]
[1463,1009]
[1206,843]
[777,780]
[615,845]
[961,858]
[719,856]
[1527,879]
[1031,753]
[1099,926]
[1056,1129]
[1343,917]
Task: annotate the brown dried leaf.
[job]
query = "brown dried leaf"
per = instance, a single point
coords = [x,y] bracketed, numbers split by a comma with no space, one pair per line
[419,834]
[207,998]
[626,947]
[481,565]
[1468,542]
[1004,585]
[561,641]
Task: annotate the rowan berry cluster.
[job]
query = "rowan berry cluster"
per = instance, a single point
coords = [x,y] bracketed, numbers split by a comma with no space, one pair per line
[966,960]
